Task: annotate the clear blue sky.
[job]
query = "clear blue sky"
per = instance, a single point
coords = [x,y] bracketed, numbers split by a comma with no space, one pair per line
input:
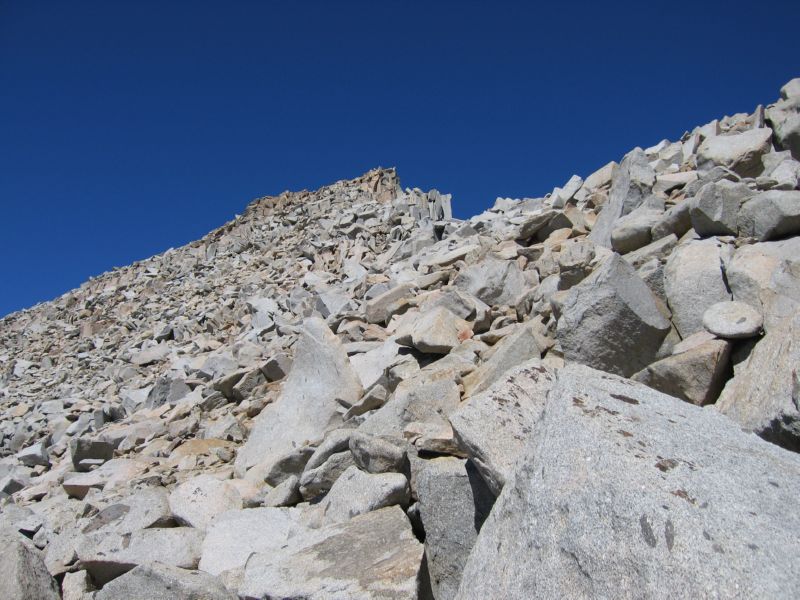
[128,127]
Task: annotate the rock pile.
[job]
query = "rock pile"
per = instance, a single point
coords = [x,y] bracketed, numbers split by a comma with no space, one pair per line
[349,394]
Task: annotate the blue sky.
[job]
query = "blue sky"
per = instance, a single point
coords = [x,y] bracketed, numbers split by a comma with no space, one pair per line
[128,127]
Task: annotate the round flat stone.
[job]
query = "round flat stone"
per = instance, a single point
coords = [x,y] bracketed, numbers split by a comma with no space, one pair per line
[732,320]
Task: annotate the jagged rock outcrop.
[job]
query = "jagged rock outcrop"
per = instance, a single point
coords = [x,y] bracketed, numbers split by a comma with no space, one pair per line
[348,393]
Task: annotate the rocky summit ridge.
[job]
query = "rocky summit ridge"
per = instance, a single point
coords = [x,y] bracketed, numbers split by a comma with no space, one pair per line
[349,394]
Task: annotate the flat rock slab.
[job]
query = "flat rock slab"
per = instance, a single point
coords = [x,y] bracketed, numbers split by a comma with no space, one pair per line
[164,582]
[493,427]
[625,493]
[237,534]
[371,557]
[197,501]
[732,320]
[320,378]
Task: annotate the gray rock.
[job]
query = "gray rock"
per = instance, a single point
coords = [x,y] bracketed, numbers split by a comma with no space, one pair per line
[696,375]
[631,185]
[141,510]
[453,503]
[765,276]
[291,463]
[308,407]
[196,502]
[659,249]
[519,346]
[381,308]
[277,367]
[632,231]
[375,454]
[413,400]
[337,440]
[23,574]
[286,493]
[357,492]
[35,454]
[163,582]
[86,453]
[611,320]
[492,281]
[492,427]
[574,263]
[371,366]
[716,208]
[763,397]
[236,534]
[732,320]
[791,89]
[784,117]
[114,473]
[77,586]
[676,220]
[770,215]
[166,390]
[694,281]
[106,557]
[624,493]
[740,152]
[319,480]
[373,556]
[438,331]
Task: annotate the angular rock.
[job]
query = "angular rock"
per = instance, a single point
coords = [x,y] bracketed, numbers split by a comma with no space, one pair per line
[770,215]
[631,185]
[739,152]
[319,480]
[493,427]
[159,581]
[732,320]
[373,556]
[381,308]
[236,534]
[694,281]
[286,493]
[519,346]
[23,574]
[33,455]
[86,453]
[453,503]
[357,492]
[784,117]
[492,281]
[413,400]
[611,320]
[106,557]
[196,502]
[632,231]
[764,395]
[696,375]
[438,331]
[114,473]
[716,208]
[702,521]
[374,454]
[308,406]
[767,277]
